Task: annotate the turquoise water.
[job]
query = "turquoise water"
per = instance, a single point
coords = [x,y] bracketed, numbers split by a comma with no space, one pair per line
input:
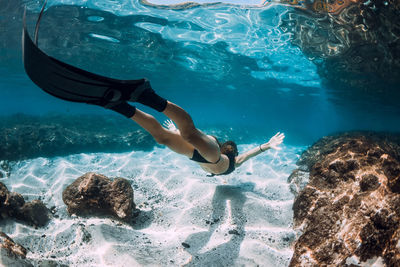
[229,66]
[242,72]
[238,2]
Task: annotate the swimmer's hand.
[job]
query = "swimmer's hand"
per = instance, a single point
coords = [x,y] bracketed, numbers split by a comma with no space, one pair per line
[275,141]
[170,126]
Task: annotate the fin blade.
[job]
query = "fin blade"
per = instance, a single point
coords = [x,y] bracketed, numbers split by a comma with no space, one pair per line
[66,81]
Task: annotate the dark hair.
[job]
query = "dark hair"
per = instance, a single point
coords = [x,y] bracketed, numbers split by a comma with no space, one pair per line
[229,148]
[216,139]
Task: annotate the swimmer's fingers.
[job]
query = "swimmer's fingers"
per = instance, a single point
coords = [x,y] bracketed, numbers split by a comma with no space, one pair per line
[169,125]
[279,135]
[165,124]
[276,140]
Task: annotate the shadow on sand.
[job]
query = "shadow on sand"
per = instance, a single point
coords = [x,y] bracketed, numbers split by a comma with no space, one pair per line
[226,253]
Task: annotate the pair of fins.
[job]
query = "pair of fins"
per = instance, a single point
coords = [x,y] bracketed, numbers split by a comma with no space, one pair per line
[74,84]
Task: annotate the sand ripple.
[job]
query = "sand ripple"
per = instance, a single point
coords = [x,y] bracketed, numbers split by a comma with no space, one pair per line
[241,219]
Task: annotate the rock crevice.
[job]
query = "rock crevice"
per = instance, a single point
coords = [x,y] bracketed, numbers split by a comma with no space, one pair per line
[350,207]
[13,205]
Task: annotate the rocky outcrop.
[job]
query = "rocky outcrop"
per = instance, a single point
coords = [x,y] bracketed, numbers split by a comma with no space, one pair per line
[94,194]
[5,168]
[355,45]
[13,205]
[11,253]
[23,137]
[349,212]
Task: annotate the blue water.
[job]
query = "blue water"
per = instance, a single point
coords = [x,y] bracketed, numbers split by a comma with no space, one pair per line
[230,67]
[241,71]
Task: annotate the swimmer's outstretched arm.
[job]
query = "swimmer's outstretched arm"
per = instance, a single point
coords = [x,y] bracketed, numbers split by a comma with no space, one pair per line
[273,143]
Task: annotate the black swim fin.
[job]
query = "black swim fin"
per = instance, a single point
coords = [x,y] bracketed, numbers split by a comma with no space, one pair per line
[74,84]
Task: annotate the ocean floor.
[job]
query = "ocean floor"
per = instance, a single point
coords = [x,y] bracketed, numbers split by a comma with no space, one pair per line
[184,217]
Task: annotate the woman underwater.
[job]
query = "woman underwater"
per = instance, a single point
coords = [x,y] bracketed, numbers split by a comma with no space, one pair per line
[187,140]
[74,84]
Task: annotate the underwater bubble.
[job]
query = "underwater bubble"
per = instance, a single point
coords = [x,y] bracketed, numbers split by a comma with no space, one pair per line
[95,18]
[104,37]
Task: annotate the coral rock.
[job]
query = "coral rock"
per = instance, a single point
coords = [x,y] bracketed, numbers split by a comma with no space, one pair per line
[349,211]
[12,254]
[23,137]
[96,194]
[35,212]
[13,205]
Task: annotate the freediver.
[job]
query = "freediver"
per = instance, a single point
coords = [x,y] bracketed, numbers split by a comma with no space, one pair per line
[74,84]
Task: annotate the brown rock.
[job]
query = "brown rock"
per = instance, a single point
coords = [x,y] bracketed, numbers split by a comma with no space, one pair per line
[394,185]
[35,212]
[369,182]
[392,254]
[11,253]
[377,234]
[96,194]
[13,205]
[350,207]
[303,204]
[3,193]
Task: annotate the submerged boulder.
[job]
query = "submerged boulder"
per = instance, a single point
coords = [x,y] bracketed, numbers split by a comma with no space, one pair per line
[11,253]
[13,205]
[96,194]
[349,212]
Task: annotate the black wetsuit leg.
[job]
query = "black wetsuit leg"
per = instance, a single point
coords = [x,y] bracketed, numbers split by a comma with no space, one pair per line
[151,99]
[124,109]
[147,97]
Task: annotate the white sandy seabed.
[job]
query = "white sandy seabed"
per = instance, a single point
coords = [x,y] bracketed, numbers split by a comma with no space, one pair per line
[243,219]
